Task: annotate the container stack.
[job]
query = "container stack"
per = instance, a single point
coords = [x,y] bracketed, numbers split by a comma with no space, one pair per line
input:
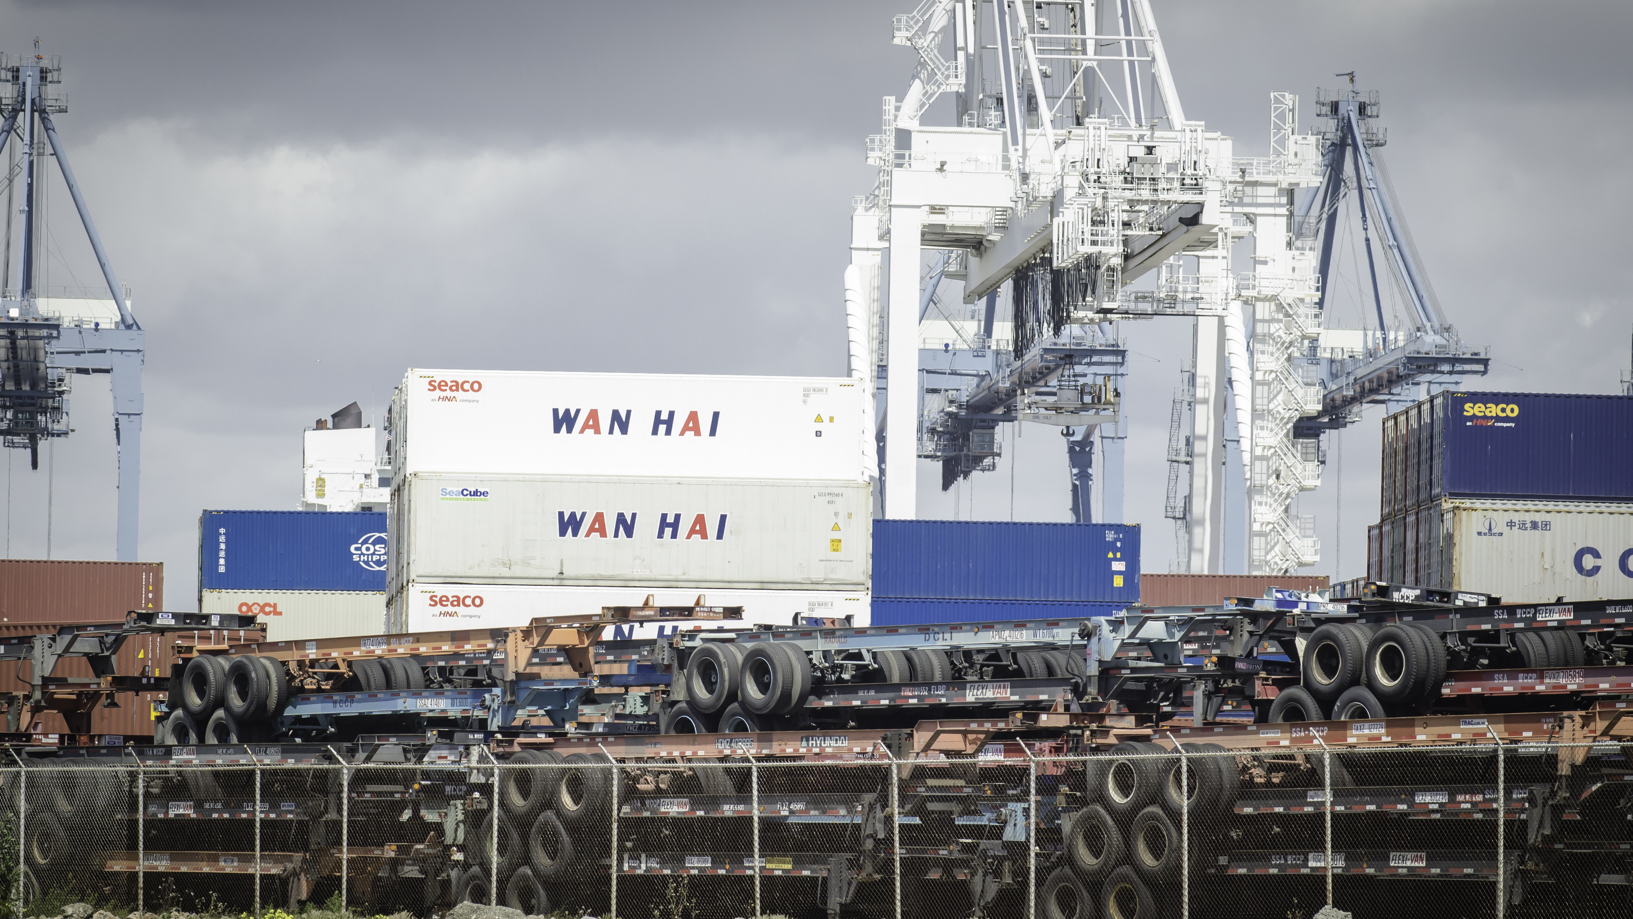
[1524,495]
[517,495]
[307,574]
[929,571]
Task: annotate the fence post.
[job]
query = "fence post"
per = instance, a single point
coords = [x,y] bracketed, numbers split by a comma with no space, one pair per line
[754,815]
[1502,814]
[612,907]
[141,834]
[1031,833]
[1326,809]
[22,830]
[895,826]
[493,833]
[1184,829]
[345,824]
[257,764]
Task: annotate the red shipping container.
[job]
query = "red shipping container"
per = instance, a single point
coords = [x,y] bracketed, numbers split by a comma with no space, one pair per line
[1212,589]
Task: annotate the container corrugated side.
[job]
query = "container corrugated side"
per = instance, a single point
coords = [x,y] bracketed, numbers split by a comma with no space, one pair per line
[63,591]
[295,614]
[693,533]
[980,560]
[292,550]
[487,422]
[132,713]
[900,611]
[1535,552]
[1375,561]
[1212,589]
[433,607]
[1409,460]
[1409,554]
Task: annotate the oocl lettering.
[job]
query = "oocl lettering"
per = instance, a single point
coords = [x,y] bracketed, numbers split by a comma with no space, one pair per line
[435,385]
[455,601]
[259,609]
[1491,410]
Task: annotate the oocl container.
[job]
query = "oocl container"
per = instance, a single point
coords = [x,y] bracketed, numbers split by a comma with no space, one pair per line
[294,614]
[1534,552]
[488,422]
[432,607]
[292,550]
[617,532]
[978,560]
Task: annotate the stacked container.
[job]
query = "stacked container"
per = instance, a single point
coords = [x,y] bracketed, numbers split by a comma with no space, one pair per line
[306,574]
[929,571]
[517,495]
[1525,495]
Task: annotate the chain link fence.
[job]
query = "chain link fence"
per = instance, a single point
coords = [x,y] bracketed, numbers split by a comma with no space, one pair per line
[1136,831]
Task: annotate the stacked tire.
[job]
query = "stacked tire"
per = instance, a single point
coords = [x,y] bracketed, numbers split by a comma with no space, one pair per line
[226,700]
[1353,671]
[737,688]
[1124,849]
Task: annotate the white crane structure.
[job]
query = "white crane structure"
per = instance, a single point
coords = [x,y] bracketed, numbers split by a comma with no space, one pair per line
[1071,182]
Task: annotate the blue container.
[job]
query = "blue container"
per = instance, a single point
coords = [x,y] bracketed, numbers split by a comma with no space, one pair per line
[1532,445]
[292,550]
[897,611]
[965,560]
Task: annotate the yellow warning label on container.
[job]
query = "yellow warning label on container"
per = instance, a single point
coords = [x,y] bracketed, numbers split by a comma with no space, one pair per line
[318,486]
[836,528]
[818,419]
[780,864]
[833,545]
[1116,580]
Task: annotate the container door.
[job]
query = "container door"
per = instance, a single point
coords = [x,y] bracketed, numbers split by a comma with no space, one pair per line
[1375,560]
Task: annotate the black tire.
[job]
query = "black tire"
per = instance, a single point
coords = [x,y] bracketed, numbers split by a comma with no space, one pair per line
[584,795]
[1125,896]
[278,684]
[1230,775]
[1397,665]
[1063,896]
[181,729]
[715,778]
[479,846]
[49,848]
[1095,844]
[524,892]
[738,720]
[1575,654]
[1558,655]
[1533,653]
[713,676]
[370,675]
[1032,664]
[1435,648]
[893,665]
[223,728]
[766,679]
[1358,703]
[472,887]
[929,665]
[247,690]
[403,675]
[682,718]
[1203,784]
[521,786]
[549,847]
[204,685]
[174,692]
[1059,664]
[1132,778]
[1334,660]
[1295,704]
[800,666]
[1154,846]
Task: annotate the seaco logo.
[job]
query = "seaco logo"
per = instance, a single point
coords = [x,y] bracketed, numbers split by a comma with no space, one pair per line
[370,551]
[435,385]
[1588,562]
[447,606]
[589,524]
[259,609]
[462,494]
[1484,414]
[588,421]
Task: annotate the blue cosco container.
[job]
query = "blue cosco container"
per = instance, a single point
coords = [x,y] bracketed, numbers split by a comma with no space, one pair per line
[292,550]
[978,560]
[1530,445]
[896,611]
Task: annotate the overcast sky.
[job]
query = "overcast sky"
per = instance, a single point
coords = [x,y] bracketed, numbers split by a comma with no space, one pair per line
[308,198]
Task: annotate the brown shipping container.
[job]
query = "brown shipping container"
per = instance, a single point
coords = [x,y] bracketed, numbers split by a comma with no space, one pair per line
[38,595]
[1212,589]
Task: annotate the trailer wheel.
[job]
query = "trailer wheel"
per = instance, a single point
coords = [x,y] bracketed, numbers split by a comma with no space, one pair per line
[1295,703]
[522,785]
[929,665]
[1094,844]
[1154,845]
[549,848]
[1334,660]
[481,850]
[1032,664]
[893,665]
[1063,897]
[48,846]
[371,676]
[1125,896]
[402,674]
[204,685]
[712,675]
[1200,794]
[1397,664]
[584,797]
[1230,777]
[180,728]
[767,679]
[1435,647]
[472,887]
[223,728]
[1358,704]
[1575,654]
[1132,778]
[278,684]
[738,720]
[1533,653]
[682,718]
[247,690]
[524,892]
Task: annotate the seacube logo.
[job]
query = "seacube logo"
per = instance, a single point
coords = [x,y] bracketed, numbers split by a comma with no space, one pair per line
[370,551]
[462,494]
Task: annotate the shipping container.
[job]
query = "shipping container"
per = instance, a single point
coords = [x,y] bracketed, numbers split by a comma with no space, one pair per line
[1392,550]
[1409,462]
[1212,589]
[483,422]
[1409,553]
[608,531]
[291,550]
[65,592]
[978,560]
[898,611]
[428,607]
[132,712]
[294,614]
[1387,504]
[1538,551]
[1375,556]
[1520,446]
